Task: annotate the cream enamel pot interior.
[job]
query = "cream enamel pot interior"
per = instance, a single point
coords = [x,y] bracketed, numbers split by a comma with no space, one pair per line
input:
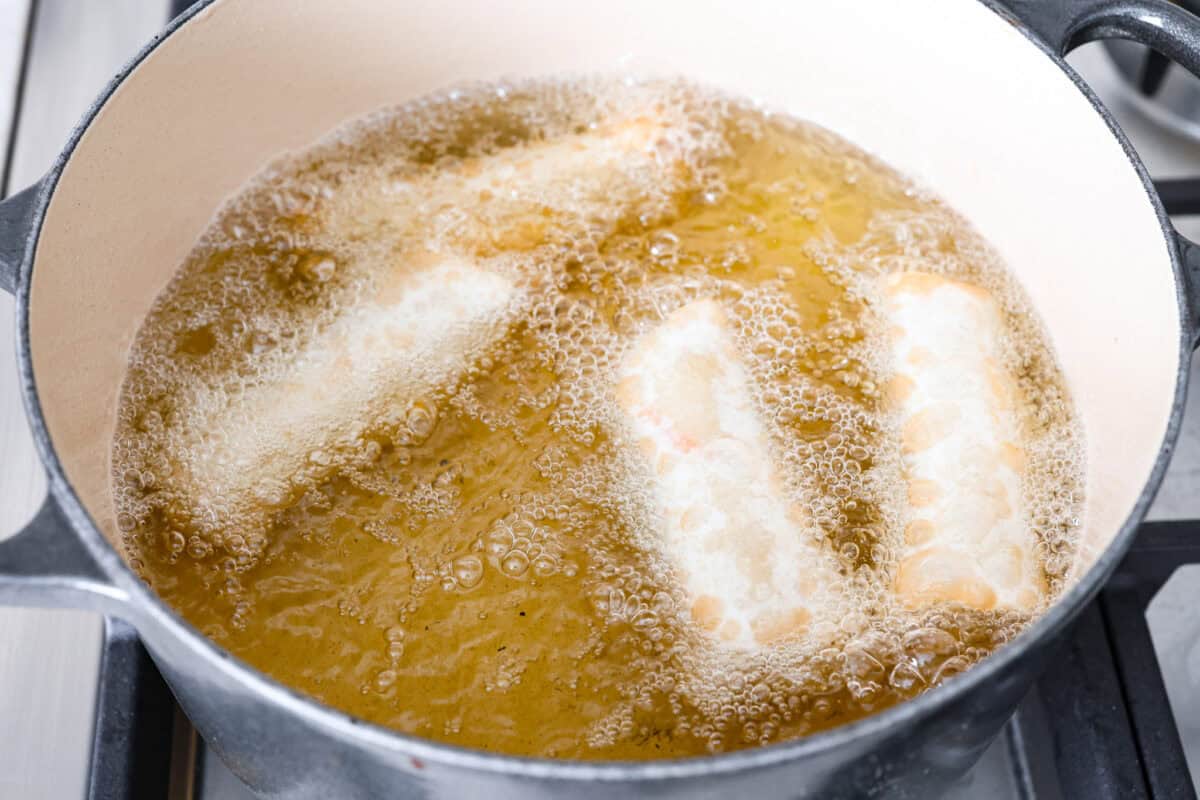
[971,99]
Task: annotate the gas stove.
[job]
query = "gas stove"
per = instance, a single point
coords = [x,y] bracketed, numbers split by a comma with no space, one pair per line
[1117,715]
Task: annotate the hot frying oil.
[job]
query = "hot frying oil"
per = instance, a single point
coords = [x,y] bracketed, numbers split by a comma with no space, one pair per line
[475,563]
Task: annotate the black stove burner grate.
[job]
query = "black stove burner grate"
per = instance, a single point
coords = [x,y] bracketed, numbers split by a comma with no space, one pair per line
[133,731]
[1098,724]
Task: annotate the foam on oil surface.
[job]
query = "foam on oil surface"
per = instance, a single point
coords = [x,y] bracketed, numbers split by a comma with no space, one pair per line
[479,562]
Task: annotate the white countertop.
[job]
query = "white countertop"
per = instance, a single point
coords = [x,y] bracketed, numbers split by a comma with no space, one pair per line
[48,658]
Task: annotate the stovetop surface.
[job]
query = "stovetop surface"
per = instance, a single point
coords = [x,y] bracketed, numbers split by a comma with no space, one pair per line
[55,55]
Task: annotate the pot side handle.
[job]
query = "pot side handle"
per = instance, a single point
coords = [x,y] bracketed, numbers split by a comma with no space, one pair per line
[46,565]
[1064,25]
[1181,198]
[1160,25]
[16,222]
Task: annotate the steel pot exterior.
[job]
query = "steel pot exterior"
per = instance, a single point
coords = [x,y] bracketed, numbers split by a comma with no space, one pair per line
[284,745]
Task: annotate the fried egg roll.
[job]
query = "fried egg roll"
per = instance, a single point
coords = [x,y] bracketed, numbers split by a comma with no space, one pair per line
[967,540]
[418,334]
[754,572]
[509,200]
[591,158]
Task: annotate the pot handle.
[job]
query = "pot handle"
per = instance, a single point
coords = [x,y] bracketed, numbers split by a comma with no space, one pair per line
[46,565]
[1181,197]
[1162,26]
[16,220]
[1064,25]
[1189,259]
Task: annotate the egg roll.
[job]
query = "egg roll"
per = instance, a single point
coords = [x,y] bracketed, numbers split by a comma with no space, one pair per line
[510,200]
[754,571]
[966,540]
[420,332]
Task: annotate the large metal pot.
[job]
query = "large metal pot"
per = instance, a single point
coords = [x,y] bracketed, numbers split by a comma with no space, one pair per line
[971,98]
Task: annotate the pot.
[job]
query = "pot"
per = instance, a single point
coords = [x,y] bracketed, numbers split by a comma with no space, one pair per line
[970,98]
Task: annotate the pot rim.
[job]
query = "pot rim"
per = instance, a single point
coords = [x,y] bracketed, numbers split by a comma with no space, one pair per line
[144,603]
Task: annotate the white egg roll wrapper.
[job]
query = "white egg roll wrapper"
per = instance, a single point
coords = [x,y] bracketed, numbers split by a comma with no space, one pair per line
[506,201]
[754,573]
[418,335]
[582,163]
[967,540]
